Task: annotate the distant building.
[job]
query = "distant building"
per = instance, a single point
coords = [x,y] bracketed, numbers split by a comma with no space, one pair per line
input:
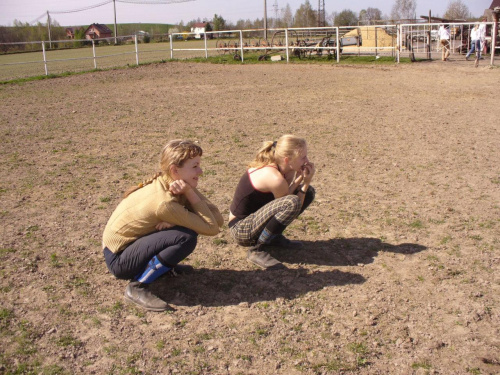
[98,31]
[70,33]
[199,29]
[489,12]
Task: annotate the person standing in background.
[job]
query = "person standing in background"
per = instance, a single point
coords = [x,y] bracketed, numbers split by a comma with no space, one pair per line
[444,40]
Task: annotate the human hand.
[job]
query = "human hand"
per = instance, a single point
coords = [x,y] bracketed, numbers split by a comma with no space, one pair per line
[308,170]
[298,179]
[179,187]
[163,225]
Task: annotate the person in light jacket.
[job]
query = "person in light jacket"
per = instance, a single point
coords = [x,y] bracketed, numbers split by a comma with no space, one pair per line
[157,223]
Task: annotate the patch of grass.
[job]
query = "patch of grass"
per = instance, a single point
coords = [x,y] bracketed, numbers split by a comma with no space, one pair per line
[6,250]
[416,224]
[68,340]
[30,231]
[6,316]
[219,241]
[445,240]
[54,260]
[425,365]
[80,284]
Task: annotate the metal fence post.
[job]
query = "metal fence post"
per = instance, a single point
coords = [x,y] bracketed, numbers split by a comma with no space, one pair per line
[45,59]
[136,50]
[287,46]
[171,47]
[206,51]
[338,45]
[494,40]
[241,44]
[398,42]
[93,53]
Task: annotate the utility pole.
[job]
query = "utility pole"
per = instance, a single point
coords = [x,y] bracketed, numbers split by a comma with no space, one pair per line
[48,27]
[114,6]
[265,20]
[275,6]
[321,13]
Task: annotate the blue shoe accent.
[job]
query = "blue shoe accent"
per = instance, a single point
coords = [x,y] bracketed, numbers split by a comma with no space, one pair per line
[153,270]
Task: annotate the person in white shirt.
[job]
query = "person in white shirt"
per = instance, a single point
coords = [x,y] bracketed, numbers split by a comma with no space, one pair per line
[444,39]
[482,34]
[475,42]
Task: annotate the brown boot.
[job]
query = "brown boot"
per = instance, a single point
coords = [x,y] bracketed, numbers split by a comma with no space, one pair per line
[263,259]
[139,294]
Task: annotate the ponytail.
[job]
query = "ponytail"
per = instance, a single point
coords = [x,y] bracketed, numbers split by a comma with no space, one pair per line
[265,156]
[271,152]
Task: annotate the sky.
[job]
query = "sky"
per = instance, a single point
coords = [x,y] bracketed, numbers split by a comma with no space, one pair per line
[173,13]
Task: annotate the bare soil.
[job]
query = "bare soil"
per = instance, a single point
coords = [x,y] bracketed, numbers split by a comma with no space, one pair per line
[400,270]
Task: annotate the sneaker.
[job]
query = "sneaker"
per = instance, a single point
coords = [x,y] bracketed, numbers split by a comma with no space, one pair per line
[467,58]
[282,241]
[139,294]
[263,259]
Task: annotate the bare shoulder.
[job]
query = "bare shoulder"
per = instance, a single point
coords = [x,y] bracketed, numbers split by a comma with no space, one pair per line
[268,180]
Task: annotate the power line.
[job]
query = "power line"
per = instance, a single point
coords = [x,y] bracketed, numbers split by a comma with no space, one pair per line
[81,9]
[152,1]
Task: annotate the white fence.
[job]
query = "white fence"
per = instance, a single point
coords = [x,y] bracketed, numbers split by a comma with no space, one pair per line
[407,40]
[421,40]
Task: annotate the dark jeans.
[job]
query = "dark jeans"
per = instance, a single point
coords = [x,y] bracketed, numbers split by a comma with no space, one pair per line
[170,246]
[475,46]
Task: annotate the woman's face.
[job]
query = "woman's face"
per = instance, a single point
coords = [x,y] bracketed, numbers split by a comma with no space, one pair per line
[189,172]
[299,161]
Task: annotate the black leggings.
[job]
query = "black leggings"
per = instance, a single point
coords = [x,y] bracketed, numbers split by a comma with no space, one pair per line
[171,246]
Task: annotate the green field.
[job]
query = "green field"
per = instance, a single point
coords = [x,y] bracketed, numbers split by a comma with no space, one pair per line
[22,65]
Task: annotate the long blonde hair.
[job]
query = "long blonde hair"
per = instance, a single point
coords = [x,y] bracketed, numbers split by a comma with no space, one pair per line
[175,152]
[272,152]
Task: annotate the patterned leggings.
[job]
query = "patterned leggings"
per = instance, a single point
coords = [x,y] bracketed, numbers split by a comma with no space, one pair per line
[285,209]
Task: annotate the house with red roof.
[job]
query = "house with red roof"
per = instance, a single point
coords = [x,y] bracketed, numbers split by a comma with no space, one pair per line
[98,31]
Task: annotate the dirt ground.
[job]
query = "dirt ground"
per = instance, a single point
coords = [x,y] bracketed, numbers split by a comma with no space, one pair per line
[400,270]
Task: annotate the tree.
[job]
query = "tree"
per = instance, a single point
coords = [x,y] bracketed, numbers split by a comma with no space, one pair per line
[305,16]
[373,15]
[219,23]
[404,9]
[457,10]
[346,18]
[286,16]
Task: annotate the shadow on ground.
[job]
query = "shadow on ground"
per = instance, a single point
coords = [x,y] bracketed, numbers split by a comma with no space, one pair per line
[230,287]
[343,251]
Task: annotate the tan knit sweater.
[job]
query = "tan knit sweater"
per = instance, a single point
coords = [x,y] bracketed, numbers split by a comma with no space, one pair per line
[139,213]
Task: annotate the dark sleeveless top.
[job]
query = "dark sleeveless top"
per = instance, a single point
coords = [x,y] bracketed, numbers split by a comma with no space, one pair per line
[247,199]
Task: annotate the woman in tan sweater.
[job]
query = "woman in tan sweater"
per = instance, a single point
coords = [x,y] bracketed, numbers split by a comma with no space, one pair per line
[157,223]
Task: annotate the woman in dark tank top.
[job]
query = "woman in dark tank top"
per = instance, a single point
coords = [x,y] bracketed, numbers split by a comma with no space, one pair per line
[272,192]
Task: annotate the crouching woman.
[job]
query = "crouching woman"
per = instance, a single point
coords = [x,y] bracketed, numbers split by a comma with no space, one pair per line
[272,192]
[157,223]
